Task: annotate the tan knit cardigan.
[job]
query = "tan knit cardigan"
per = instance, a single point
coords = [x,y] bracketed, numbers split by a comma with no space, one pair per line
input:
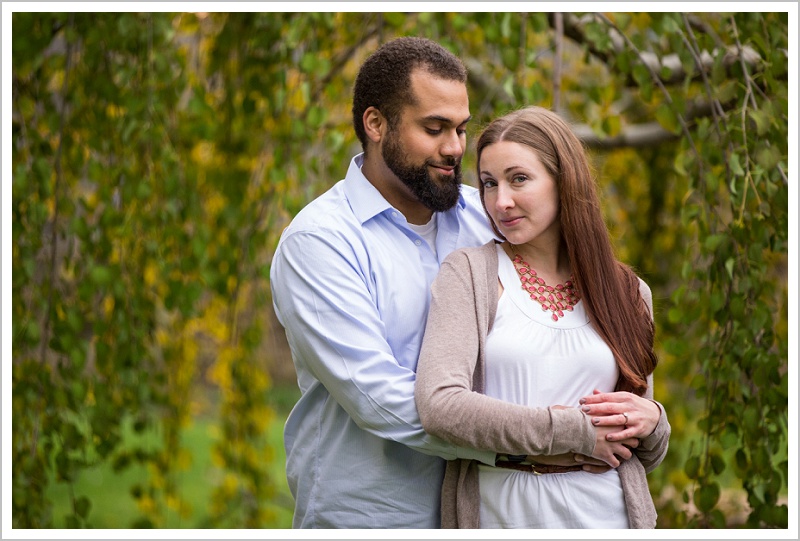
[450,383]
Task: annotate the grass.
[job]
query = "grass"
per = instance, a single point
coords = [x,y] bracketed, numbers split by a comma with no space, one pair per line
[110,492]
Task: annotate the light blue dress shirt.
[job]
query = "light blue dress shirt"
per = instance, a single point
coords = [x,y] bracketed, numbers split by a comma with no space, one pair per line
[351,285]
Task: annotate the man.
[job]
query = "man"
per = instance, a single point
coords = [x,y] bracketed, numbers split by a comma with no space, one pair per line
[350,281]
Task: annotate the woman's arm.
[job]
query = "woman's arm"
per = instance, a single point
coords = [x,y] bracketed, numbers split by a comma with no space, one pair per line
[451,410]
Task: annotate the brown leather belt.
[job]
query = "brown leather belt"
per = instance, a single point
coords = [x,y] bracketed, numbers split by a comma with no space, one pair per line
[536,469]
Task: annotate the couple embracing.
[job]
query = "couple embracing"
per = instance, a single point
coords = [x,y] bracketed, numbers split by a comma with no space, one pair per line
[467,358]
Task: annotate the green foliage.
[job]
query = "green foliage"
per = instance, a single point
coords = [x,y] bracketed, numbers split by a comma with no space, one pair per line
[158,156]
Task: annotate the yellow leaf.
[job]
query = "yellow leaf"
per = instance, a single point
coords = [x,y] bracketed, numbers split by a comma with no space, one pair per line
[108,305]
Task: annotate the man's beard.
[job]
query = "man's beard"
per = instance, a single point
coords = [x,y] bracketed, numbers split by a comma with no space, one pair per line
[437,196]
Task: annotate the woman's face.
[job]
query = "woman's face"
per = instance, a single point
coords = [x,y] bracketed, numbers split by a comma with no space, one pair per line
[520,195]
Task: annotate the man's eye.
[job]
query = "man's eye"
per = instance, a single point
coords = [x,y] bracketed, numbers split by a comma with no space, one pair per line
[433,131]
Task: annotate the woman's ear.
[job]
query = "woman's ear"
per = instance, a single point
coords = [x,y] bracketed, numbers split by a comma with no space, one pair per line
[375,124]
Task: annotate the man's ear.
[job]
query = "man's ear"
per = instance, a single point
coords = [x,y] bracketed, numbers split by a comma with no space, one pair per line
[375,124]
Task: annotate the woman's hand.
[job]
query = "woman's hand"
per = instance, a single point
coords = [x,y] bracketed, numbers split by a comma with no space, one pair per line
[608,452]
[636,416]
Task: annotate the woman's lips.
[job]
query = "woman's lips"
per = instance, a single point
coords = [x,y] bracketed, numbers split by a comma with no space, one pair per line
[510,222]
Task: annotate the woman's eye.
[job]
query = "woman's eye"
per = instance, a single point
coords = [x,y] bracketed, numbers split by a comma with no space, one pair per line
[489,184]
[519,178]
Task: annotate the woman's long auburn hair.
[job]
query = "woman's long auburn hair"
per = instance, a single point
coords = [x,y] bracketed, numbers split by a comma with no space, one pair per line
[608,288]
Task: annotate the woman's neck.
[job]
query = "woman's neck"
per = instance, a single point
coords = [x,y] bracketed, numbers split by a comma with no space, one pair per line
[551,262]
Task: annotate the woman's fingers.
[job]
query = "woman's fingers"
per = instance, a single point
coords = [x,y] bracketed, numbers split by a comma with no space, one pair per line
[623,409]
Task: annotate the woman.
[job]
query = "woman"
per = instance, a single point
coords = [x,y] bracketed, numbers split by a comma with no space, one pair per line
[545,318]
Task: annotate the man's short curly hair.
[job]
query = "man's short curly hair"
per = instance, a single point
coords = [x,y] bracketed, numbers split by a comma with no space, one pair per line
[384,80]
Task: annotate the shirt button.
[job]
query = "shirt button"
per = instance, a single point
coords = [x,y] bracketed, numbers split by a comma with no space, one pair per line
[394,215]
[418,242]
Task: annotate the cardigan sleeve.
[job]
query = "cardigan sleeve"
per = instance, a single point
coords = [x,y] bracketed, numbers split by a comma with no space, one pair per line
[652,449]
[448,406]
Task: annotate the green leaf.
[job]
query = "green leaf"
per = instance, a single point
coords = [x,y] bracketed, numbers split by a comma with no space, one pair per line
[717,463]
[716,301]
[642,75]
[729,436]
[510,58]
[82,507]
[692,467]
[505,26]
[394,19]
[508,86]
[623,61]
[143,189]
[729,263]
[668,119]
[622,20]
[727,91]
[741,460]
[309,62]
[712,242]
[768,157]
[669,25]
[598,35]
[736,166]
[761,120]
[706,496]
[33,332]
[100,275]
[316,116]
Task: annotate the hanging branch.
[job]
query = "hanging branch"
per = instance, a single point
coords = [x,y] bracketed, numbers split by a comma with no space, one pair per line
[559,42]
[573,29]
[342,59]
[56,189]
[748,81]
[716,106]
[691,44]
[660,84]
[523,40]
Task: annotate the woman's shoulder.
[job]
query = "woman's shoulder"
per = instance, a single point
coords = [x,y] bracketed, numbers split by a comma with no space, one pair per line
[634,282]
[473,255]
[647,295]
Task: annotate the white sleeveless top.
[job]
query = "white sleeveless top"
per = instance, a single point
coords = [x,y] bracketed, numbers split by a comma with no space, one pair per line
[535,361]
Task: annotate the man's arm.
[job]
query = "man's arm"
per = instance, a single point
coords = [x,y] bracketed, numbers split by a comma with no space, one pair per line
[336,334]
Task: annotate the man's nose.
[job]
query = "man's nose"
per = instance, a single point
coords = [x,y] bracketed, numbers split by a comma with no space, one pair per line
[453,145]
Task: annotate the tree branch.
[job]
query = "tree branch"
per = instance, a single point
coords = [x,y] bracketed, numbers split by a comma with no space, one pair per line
[636,136]
[573,29]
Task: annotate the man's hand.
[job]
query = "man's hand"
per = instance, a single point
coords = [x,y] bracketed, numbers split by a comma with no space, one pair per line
[609,449]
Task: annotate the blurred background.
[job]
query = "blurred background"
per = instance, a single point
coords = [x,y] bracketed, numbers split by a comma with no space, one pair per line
[158,156]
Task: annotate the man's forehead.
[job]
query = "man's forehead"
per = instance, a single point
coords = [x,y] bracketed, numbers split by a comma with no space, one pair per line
[438,99]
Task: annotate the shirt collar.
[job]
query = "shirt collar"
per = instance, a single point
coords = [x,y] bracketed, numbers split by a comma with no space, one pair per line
[365,200]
